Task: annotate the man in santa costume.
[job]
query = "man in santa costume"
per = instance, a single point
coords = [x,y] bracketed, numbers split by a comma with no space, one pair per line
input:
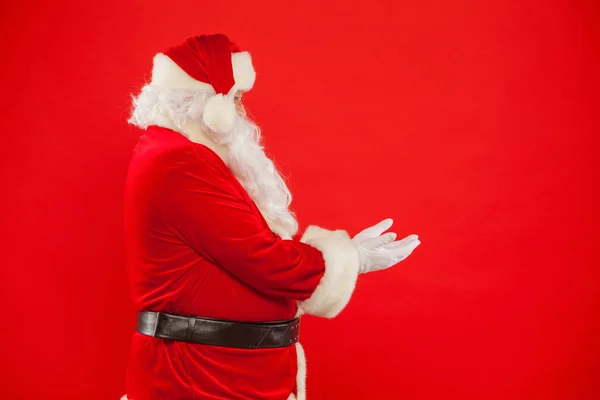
[217,273]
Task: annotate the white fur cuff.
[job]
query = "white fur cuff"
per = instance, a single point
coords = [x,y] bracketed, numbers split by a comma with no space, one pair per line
[342,263]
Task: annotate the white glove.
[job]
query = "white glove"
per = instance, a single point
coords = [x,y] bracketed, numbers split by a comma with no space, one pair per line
[379,251]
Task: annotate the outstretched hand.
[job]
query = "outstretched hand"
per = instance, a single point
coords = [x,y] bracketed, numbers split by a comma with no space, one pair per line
[379,251]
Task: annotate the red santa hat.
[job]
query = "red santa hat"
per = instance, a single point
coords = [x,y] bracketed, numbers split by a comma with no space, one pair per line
[210,63]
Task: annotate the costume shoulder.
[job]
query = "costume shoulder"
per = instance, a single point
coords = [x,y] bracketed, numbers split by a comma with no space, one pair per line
[198,159]
[178,151]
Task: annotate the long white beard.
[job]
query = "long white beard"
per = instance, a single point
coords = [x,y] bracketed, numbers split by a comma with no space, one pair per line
[244,154]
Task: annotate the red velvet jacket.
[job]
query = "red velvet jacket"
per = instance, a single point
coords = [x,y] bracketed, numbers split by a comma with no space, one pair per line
[198,245]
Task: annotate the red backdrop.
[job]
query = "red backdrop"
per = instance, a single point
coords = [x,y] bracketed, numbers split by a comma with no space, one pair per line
[474,124]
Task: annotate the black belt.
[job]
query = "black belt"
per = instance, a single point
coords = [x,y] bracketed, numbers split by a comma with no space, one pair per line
[214,332]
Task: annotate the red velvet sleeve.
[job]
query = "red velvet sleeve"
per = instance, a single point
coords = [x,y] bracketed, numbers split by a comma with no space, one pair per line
[203,204]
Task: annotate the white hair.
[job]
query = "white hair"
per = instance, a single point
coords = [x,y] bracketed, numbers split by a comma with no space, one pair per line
[245,155]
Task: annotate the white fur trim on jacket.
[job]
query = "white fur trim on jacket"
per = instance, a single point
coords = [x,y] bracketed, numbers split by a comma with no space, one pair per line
[301,375]
[342,263]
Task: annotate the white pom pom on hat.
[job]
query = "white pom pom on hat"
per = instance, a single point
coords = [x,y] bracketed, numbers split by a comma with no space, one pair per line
[219,113]
[212,63]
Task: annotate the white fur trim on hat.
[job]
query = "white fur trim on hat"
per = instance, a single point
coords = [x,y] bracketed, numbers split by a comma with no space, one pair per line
[243,70]
[219,113]
[167,74]
[342,262]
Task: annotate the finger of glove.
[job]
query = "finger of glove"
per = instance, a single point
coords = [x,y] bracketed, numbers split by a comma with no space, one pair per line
[403,242]
[379,241]
[400,252]
[386,256]
[375,230]
[390,261]
[382,265]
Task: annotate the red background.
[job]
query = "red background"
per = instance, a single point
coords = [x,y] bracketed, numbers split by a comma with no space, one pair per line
[474,124]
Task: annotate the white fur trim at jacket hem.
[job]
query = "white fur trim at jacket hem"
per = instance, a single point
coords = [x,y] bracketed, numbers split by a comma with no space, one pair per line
[342,263]
[301,374]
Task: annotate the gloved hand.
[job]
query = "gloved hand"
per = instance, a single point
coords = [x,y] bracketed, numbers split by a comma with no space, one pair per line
[380,251]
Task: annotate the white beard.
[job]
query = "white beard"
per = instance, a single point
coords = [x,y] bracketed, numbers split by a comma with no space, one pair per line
[243,153]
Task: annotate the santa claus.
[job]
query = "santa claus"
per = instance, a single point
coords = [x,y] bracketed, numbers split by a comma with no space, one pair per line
[217,273]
